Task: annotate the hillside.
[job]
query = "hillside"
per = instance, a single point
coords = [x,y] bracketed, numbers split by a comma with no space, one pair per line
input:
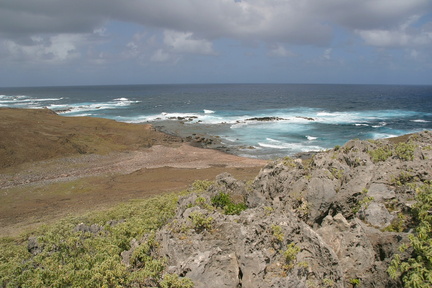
[29,135]
[52,166]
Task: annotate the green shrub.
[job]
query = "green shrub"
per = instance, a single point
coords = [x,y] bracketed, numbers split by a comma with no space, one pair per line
[289,162]
[224,201]
[416,271]
[405,151]
[380,154]
[277,233]
[398,224]
[355,282]
[201,185]
[290,255]
[221,200]
[201,222]
[174,281]
[67,257]
[403,178]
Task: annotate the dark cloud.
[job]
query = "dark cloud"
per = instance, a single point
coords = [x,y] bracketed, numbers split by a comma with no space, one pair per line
[295,22]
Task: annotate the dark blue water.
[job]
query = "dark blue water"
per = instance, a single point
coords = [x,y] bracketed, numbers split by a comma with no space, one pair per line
[310,117]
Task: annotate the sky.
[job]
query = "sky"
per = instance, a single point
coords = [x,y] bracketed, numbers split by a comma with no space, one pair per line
[99,42]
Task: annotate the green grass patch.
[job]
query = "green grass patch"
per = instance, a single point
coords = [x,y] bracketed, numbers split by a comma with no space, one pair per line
[61,255]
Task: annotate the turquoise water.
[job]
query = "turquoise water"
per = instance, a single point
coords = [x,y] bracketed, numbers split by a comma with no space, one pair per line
[305,117]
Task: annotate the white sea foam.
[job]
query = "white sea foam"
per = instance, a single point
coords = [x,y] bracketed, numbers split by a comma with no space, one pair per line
[208,111]
[310,138]
[45,99]
[291,146]
[420,121]
[384,135]
[87,107]
[273,146]
[380,124]
[273,140]
[23,98]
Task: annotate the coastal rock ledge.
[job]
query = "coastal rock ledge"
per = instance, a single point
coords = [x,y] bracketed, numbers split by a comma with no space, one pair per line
[335,220]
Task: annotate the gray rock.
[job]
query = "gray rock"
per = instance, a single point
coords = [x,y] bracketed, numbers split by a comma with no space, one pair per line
[377,215]
[332,208]
[380,192]
[243,250]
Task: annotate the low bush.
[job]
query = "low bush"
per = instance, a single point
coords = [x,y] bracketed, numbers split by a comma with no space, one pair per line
[380,154]
[416,271]
[224,201]
[290,255]
[201,222]
[62,255]
[405,151]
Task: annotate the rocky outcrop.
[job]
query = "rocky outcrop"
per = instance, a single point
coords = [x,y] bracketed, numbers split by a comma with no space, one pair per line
[330,221]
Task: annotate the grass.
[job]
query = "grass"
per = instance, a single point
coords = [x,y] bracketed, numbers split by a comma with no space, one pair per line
[51,136]
[62,256]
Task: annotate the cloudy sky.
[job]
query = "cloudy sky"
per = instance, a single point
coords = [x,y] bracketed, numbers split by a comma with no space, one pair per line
[85,42]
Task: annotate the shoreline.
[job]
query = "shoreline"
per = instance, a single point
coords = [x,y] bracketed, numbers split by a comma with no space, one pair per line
[101,164]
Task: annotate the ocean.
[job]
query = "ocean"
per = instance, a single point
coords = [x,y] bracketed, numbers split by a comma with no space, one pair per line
[264,121]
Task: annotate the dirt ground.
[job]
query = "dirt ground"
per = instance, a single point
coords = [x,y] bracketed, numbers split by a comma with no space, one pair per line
[101,164]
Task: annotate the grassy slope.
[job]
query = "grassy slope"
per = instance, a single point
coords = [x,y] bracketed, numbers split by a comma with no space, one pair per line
[34,135]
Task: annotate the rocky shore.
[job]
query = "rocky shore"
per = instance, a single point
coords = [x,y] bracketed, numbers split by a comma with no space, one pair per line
[357,215]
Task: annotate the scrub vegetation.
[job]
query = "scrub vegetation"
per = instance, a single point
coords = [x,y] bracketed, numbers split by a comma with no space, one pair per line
[416,270]
[87,251]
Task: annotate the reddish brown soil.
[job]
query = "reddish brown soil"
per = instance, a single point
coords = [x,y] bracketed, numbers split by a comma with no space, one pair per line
[44,177]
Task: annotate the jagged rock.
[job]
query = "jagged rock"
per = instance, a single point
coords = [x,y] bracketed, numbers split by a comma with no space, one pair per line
[94,228]
[243,251]
[265,119]
[126,255]
[332,208]
[33,246]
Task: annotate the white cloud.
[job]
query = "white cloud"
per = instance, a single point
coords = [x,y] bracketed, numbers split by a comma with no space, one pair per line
[166,31]
[405,35]
[54,49]
[306,22]
[327,53]
[280,51]
[184,42]
[161,56]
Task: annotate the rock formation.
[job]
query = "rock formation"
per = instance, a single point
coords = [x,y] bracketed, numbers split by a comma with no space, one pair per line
[330,221]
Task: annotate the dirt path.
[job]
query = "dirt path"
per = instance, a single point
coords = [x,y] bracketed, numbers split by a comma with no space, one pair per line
[71,168]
